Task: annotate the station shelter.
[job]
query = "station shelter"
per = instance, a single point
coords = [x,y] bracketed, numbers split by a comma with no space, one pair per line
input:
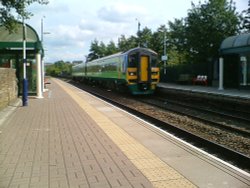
[11,56]
[234,63]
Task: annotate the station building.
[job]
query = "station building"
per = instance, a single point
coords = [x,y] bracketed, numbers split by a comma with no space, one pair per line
[11,56]
[235,62]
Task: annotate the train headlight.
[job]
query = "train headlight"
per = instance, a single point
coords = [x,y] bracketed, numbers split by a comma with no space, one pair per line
[132,74]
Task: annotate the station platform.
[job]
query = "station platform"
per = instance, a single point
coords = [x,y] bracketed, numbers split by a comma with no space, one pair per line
[72,139]
[230,93]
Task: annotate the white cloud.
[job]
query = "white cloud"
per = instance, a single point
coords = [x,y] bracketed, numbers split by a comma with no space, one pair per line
[88,26]
[74,24]
[105,31]
[121,12]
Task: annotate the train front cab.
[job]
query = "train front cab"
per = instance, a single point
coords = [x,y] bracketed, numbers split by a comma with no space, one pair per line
[142,73]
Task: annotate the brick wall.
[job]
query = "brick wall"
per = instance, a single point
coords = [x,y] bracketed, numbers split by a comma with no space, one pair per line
[8,86]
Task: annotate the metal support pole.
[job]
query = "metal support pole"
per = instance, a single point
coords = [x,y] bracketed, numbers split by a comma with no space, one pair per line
[138,33]
[221,72]
[243,61]
[165,52]
[42,62]
[39,76]
[25,80]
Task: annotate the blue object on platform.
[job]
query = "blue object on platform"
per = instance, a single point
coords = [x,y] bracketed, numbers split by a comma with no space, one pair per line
[25,92]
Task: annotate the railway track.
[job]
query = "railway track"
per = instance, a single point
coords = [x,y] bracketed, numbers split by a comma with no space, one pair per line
[225,113]
[230,155]
[224,121]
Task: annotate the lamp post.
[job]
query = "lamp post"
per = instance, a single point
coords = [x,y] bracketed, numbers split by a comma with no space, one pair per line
[165,53]
[25,80]
[138,32]
[42,64]
[164,58]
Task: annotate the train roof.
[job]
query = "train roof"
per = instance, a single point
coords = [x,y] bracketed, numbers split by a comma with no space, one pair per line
[140,49]
[121,54]
[107,57]
[125,53]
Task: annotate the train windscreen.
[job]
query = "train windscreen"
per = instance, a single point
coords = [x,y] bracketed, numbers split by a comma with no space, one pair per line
[154,61]
[133,60]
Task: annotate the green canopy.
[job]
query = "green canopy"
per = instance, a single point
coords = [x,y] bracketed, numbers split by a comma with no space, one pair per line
[236,44]
[11,53]
[14,40]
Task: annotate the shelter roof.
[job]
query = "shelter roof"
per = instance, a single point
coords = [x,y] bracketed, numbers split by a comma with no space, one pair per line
[15,39]
[236,44]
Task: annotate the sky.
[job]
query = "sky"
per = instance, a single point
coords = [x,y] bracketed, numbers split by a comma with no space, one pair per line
[69,26]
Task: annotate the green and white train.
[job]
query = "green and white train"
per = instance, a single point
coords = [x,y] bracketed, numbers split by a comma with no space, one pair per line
[134,70]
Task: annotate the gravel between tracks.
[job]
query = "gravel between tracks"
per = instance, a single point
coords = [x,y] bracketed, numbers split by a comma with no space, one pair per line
[230,140]
[235,142]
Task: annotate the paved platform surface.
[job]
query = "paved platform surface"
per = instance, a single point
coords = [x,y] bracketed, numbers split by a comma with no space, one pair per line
[71,139]
[235,93]
[54,143]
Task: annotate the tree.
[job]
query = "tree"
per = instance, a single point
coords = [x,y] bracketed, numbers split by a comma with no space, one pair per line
[144,37]
[245,25]
[95,50]
[194,39]
[59,68]
[178,41]
[111,48]
[125,44]
[157,40]
[207,25]
[11,11]
[177,35]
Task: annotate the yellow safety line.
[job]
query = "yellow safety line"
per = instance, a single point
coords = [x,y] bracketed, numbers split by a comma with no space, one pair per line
[158,172]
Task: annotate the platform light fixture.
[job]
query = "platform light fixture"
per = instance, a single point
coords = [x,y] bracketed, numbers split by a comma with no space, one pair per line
[138,32]
[42,64]
[164,57]
[25,80]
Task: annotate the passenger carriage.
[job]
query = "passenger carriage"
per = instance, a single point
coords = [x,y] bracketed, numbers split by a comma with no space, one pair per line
[134,70]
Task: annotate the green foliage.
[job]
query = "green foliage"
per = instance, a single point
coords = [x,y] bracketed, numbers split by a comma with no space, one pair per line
[59,68]
[94,50]
[157,40]
[144,37]
[177,35]
[245,24]
[206,27]
[125,44]
[111,48]
[11,11]
[194,39]
[99,49]
[176,57]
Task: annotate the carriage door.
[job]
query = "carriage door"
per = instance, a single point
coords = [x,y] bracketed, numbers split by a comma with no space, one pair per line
[144,68]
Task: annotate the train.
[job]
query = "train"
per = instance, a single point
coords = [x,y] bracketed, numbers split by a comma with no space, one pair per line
[135,71]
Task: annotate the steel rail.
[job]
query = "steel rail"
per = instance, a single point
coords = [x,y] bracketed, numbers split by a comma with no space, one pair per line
[232,129]
[238,159]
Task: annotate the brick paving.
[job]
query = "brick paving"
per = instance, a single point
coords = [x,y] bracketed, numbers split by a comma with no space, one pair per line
[54,143]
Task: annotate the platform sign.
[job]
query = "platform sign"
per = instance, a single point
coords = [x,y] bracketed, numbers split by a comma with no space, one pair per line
[243,58]
[164,58]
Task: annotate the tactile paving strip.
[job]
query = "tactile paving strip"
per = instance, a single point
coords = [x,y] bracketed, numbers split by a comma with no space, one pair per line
[159,173]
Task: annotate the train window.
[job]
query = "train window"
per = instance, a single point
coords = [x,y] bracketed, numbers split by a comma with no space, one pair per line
[132,60]
[154,61]
[122,60]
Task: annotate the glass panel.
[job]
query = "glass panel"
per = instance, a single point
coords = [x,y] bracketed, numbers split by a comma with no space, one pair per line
[133,60]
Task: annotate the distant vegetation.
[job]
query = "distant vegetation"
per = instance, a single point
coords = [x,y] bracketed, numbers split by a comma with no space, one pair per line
[193,39]
[59,68]
[11,11]
[190,41]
